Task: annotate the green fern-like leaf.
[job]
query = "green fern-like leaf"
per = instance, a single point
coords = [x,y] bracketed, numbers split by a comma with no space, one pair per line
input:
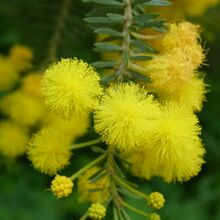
[121,22]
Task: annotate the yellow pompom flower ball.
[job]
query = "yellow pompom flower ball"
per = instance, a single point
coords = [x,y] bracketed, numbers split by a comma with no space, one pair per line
[170,70]
[8,75]
[181,35]
[21,57]
[96,211]
[31,84]
[71,87]
[185,36]
[174,146]
[49,151]
[126,116]
[13,139]
[156,200]
[84,186]
[154,216]
[22,108]
[191,95]
[174,151]
[61,186]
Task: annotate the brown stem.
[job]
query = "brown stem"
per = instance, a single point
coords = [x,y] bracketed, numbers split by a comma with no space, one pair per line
[111,172]
[55,40]
[121,70]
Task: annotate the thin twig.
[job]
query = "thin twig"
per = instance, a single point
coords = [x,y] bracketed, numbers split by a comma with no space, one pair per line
[121,70]
[56,37]
[86,144]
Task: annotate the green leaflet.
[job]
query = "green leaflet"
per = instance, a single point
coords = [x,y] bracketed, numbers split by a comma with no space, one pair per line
[109,31]
[111,18]
[98,20]
[141,58]
[116,17]
[157,3]
[104,64]
[140,47]
[107,47]
[106,2]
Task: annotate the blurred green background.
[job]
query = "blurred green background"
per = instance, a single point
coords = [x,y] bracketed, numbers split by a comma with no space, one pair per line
[22,189]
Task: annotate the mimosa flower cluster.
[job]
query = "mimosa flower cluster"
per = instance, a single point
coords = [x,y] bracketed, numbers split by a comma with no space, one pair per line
[174,73]
[150,127]
[20,109]
[157,138]
[23,111]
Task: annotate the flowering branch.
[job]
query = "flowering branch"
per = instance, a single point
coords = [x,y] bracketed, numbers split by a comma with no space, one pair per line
[55,40]
[122,66]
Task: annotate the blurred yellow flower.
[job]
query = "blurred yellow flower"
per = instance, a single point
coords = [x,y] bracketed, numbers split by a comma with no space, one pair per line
[13,139]
[22,108]
[31,84]
[8,75]
[72,129]
[141,163]
[21,57]
[94,192]
[198,7]
[49,151]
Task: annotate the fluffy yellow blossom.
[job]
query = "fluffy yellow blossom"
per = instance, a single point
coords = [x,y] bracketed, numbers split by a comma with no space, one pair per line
[125,116]
[181,35]
[71,87]
[84,186]
[174,150]
[96,211]
[195,54]
[191,95]
[13,139]
[22,108]
[49,151]
[8,75]
[175,145]
[169,71]
[61,186]
[73,128]
[21,57]
[156,200]
[31,84]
